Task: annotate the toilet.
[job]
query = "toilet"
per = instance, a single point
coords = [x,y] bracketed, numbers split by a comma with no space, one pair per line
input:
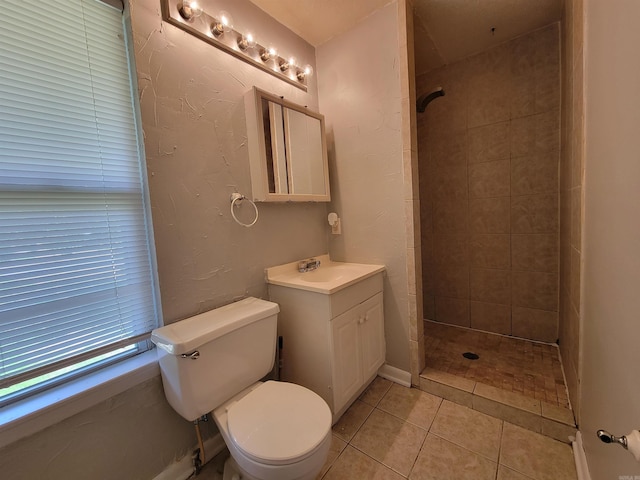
[213,362]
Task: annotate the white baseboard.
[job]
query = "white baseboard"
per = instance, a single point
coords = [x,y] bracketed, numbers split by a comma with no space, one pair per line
[183,468]
[580,458]
[395,375]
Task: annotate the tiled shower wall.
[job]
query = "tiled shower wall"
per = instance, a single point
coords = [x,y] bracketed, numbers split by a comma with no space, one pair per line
[571,174]
[488,161]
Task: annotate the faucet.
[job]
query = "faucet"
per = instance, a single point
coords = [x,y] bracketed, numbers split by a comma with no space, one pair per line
[308,265]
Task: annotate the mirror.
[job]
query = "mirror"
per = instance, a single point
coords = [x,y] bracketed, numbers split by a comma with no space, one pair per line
[287,150]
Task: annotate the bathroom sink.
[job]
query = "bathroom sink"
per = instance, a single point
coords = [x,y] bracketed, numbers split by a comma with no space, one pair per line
[328,278]
[334,272]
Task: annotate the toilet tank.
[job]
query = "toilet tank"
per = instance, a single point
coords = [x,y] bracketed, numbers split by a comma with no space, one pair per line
[206,359]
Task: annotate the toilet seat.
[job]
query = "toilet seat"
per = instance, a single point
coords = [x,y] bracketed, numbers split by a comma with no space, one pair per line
[278,423]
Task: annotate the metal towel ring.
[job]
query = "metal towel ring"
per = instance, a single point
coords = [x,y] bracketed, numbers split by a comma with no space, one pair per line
[236,199]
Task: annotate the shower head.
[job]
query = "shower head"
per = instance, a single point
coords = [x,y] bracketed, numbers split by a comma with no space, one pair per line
[423,100]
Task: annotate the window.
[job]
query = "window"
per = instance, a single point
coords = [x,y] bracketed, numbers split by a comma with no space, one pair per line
[77,288]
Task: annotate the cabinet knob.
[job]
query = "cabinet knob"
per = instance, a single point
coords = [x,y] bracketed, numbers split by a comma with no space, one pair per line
[361,320]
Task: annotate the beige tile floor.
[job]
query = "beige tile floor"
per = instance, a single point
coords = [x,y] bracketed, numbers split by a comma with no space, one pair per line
[393,432]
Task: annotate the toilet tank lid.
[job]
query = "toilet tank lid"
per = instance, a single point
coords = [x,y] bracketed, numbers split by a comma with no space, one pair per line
[193,332]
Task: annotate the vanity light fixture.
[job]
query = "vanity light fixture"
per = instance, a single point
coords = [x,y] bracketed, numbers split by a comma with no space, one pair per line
[218,30]
[268,53]
[246,41]
[284,66]
[190,9]
[307,71]
[223,24]
[287,64]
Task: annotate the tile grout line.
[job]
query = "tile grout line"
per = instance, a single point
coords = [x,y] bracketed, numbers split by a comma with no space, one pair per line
[348,442]
[376,407]
[426,436]
[427,430]
[462,446]
[500,449]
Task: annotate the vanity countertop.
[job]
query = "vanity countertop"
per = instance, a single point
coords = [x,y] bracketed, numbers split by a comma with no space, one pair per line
[328,278]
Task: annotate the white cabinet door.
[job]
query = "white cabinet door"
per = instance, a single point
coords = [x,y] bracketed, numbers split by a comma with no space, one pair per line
[347,367]
[371,333]
[358,348]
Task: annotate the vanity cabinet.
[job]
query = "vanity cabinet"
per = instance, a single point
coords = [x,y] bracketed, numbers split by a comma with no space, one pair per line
[357,339]
[333,343]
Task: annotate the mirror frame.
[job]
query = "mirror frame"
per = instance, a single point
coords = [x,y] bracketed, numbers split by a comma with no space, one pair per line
[257,149]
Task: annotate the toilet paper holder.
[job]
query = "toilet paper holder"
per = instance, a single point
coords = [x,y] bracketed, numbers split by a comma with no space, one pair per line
[630,442]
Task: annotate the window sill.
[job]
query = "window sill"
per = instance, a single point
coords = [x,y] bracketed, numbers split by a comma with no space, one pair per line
[36,413]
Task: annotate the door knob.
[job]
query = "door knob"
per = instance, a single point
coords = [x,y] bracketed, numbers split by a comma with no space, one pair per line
[630,442]
[606,437]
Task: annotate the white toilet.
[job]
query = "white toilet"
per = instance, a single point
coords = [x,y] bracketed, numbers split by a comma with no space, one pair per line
[214,361]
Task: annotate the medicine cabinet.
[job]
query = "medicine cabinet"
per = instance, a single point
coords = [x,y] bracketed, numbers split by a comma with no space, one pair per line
[287,150]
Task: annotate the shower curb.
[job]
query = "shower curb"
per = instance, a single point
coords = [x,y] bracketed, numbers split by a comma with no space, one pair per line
[540,417]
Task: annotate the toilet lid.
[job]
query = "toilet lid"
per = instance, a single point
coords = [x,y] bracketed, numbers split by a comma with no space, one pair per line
[279,422]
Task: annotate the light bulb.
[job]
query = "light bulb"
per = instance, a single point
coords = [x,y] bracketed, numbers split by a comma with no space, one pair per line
[222,24]
[287,64]
[190,9]
[246,41]
[306,71]
[268,53]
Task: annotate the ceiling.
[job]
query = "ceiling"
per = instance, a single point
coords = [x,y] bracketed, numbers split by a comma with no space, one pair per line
[445,30]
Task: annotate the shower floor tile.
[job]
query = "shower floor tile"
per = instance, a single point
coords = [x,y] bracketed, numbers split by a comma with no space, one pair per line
[529,368]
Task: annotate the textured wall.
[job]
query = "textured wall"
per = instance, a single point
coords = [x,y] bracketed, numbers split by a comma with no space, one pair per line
[609,386]
[360,96]
[195,142]
[133,435]
[489,152]
[571,174]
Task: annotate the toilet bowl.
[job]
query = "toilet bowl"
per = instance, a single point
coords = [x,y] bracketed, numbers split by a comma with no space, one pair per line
[214,362]
[276,431]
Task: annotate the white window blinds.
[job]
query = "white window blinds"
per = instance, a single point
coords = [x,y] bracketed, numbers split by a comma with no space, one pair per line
[75,269]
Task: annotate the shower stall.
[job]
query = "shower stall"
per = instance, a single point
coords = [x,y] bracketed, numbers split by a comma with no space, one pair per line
[489,154]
